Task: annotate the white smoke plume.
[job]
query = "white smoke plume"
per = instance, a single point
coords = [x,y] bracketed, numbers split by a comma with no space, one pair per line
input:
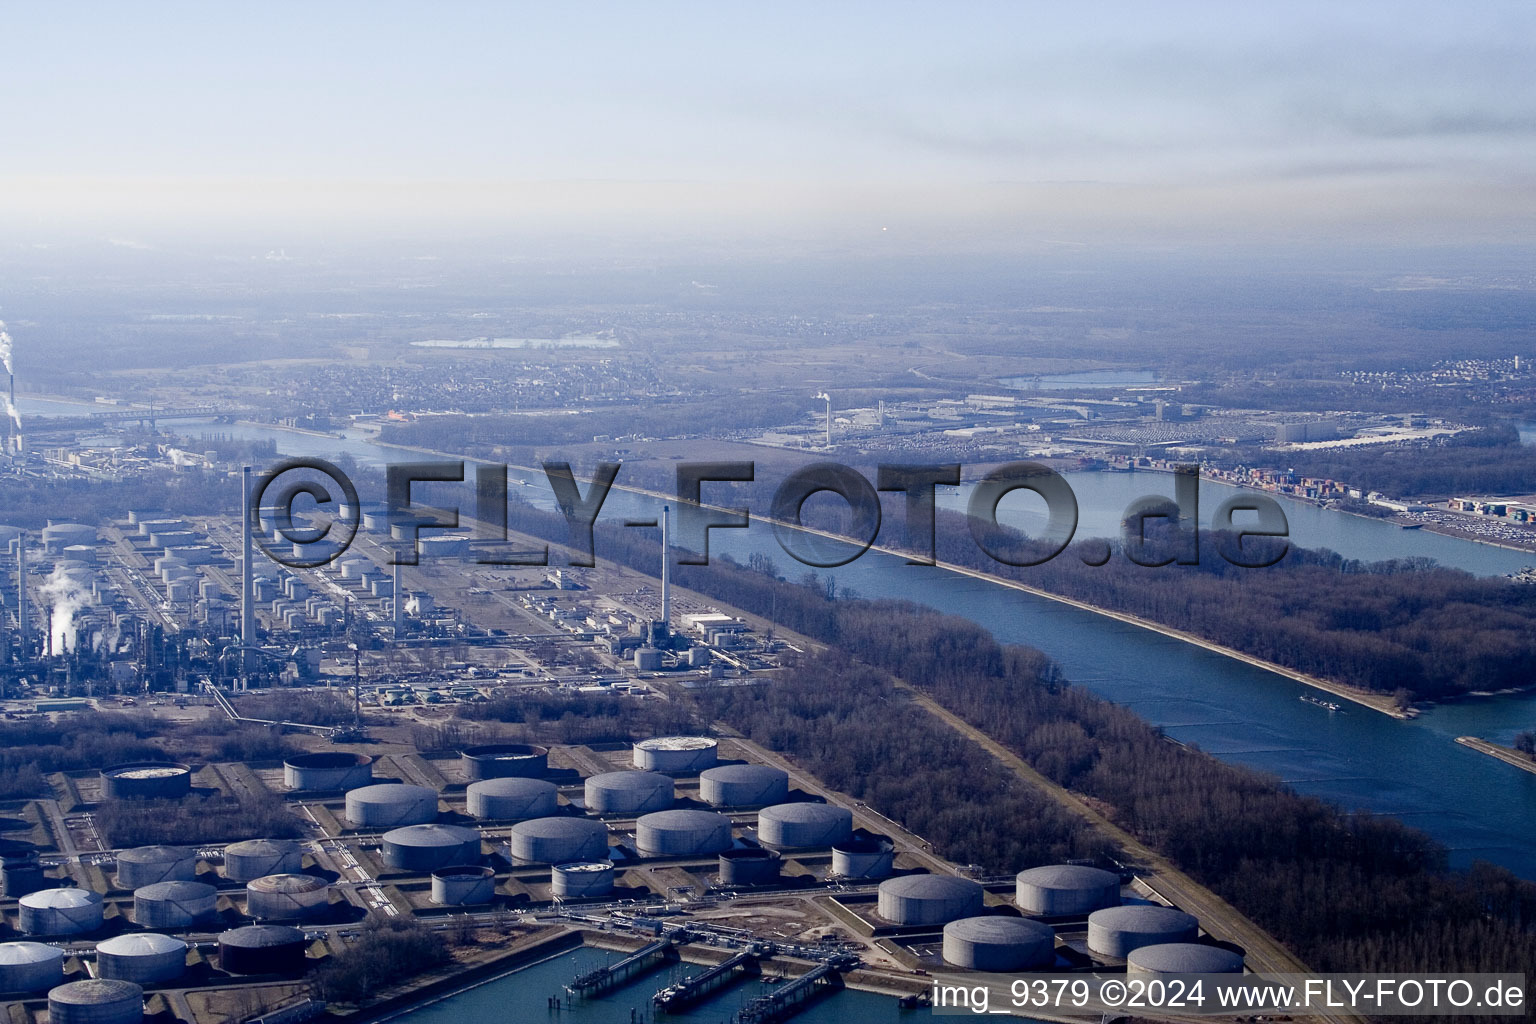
[67,598]
[6,346]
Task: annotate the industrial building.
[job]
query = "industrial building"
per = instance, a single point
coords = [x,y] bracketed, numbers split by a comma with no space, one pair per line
[928,899]
[998,943]
[389,805]
[1120,931]
[1066,890]
[558,840]
[628,792]
[791,826]
[682,833]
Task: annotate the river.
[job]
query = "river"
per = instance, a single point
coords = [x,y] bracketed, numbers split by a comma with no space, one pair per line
[1475,805]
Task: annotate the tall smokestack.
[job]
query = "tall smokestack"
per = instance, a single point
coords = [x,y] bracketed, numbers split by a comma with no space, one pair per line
[21,597]
[399,599]
[247,586]
[666,567]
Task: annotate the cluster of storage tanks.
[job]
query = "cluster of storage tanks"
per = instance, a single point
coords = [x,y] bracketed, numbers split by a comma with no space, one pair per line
[1150,938]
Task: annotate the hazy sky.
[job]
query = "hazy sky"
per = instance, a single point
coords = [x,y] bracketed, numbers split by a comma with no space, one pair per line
[1397,113]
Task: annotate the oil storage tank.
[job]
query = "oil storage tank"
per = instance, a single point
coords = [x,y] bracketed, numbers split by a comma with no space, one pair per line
[286,897]
[504,761]
[426,847]
[30,966]
[863,857]
[173,905]
[146,865]
[1120,931]
[462,885]
[60,912]
[559,840]
[800,825]
[928,899]
[996,943]
[1184,958]
[676,754]
[1066,890]
[628,793]
[144,958]
[511,799]
[682,833]
[96,1001]
[749,867]
[20,871]
[743,785]
[585,879]
[391,804]
[256,858]
[146,780]
[262,949]
[328,771]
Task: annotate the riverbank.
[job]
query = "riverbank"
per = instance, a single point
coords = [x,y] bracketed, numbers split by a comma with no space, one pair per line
[1505,754]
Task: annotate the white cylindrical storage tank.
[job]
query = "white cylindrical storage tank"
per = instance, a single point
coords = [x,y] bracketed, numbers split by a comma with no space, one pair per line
[628,793]
[426,847]
[179,591]
[286,897]
[863,858]
[1120,931]
[928,899]
[60,912]
[147,865]
[801,825]
[442,547]
[676,754]
[144,958]
[96,1001]
[173,905]
[58,536]
[81,553]
[511,799]
[996,943]
[328,770]
[743,785]
[30,966]
[558,840]
[256,858]
[463,885]
[1066,890]
[391,804]
[586,879]
[683,833]
[1183,958]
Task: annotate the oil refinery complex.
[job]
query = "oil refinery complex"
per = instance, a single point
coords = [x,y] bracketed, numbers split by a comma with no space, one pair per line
[706,849]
